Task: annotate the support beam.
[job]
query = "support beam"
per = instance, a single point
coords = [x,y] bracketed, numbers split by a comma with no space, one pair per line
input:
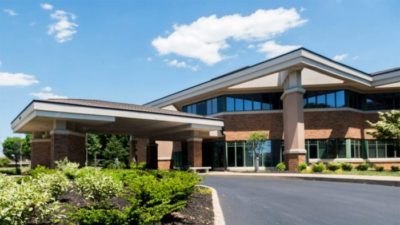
[195,151]
[293,120]
[152,155]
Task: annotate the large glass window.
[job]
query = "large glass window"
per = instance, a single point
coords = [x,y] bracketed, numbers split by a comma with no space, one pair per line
[230,104]
[238,104]
[239,154]
[231,154]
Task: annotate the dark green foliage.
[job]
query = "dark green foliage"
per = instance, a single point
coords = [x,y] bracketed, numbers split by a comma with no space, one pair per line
[302,166]
[395,169]
[347,166]
[333,166]
[93,216]
[379,168]
[318,168]
[362,167]
[108,151]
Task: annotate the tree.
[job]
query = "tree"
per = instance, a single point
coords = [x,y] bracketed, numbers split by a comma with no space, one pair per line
[26,147]
[255,142]
[93,147]
[116,151]
[387,127]
[12,148]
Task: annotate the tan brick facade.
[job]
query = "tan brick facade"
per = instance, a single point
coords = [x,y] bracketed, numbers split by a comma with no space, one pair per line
[164,164]
[293,160]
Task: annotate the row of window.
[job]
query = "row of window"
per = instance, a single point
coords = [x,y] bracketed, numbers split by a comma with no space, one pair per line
[312,99]
[348,148]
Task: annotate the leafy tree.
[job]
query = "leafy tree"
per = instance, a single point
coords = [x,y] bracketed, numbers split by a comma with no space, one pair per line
[12,148]
[94,147]
[255,142]
[26,147]
[116,151]
[387,127]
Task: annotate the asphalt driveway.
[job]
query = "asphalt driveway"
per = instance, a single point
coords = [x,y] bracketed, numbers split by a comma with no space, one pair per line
[263,200]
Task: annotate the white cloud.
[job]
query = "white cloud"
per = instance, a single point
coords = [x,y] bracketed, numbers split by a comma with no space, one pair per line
[46,93]
[64,28]
[46,6]
[251,46]
[340,57]
[149,59]
[180,64]
[17,79]
[10,12]
[204,38]
[272,49]
[1,63]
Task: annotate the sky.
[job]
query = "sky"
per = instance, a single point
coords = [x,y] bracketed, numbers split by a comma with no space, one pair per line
[137,51]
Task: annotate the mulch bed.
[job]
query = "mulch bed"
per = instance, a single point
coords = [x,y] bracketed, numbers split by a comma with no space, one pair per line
[199,211]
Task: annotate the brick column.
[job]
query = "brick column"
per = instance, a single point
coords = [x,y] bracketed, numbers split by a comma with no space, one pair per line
[67,144]
[195,152]
[40,151]
[293,120]
[132,150]
[152,155]
[141,149]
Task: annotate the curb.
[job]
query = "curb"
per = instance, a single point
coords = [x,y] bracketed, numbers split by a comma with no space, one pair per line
[342,178]
[218,214]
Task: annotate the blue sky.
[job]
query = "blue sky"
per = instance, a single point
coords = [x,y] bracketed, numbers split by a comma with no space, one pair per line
[137,51]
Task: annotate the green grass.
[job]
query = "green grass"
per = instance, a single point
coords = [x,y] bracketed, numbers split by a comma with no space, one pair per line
[361,173]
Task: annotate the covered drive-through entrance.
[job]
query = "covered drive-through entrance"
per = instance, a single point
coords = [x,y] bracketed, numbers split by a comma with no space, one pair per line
[59,127]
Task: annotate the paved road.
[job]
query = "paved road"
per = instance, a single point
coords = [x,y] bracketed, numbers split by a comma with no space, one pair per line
[270,201]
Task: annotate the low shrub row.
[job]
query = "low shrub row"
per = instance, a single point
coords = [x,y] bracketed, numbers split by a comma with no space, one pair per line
[91,196]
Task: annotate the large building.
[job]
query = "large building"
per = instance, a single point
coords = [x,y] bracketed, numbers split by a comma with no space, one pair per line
[310,108]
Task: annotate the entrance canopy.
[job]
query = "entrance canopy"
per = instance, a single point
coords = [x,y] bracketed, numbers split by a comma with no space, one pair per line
[95,116]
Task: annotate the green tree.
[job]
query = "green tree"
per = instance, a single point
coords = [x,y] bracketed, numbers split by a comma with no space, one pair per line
[116,151]
[387,127]
[12,148]
[26,147]
[94,147]
[255,141]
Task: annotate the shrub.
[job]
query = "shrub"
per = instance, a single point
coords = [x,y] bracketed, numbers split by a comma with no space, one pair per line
[27,203]
[97,186]
[379,168]
[347,166]
[318,168]
[8,171]
[333,166]
[40,170]
[302,166]
[281,166]
[362,167]
[94,216]
[4,161]
[70,169]
[56,183]
[395,168]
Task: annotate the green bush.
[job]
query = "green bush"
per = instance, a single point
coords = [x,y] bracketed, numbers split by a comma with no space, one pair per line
[379,168]
[302,166]
[333,166]
[70,169]
[8,171]
[347,166]
[93,216]
[96,186]
[40,170]
[4,161]
[281,166]
[56,183]
[395,168]
[362,167]
[318,167]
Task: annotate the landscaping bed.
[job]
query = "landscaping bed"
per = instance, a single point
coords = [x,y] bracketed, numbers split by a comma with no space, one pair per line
[93,196]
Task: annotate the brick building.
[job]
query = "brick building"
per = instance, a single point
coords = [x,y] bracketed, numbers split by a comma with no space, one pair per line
[311,109]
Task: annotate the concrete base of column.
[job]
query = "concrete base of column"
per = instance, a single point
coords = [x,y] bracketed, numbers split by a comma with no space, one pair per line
[292,160]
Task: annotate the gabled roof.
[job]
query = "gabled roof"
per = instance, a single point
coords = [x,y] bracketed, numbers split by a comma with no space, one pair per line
[297,57]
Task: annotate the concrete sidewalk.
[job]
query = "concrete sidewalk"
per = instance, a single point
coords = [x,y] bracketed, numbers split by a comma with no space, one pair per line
[380,180]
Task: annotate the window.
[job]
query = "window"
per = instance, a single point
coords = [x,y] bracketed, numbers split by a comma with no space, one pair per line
[239,154]
[356,149]
[340,99]
[248,103]
[330,100]
[312,148]
[230,104]
[231,155]
[238,104]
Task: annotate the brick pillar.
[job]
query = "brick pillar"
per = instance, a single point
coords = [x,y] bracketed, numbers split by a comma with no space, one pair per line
[293,120]
[195,152]
[141,148]
[67,144]
[40,152]
[132,150]
[152,155]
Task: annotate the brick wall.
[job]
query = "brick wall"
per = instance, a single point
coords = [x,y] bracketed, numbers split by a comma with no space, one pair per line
[318,125]
[40,154]
[68,146]
[195,153]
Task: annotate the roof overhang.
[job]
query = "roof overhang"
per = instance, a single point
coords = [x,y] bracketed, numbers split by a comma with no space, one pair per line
[40,116]
[300,58]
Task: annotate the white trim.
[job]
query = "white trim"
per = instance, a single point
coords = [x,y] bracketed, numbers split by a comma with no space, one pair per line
[295,151]
[40,140]
[383,160]
[67,132]
[165,158]
[350,160]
